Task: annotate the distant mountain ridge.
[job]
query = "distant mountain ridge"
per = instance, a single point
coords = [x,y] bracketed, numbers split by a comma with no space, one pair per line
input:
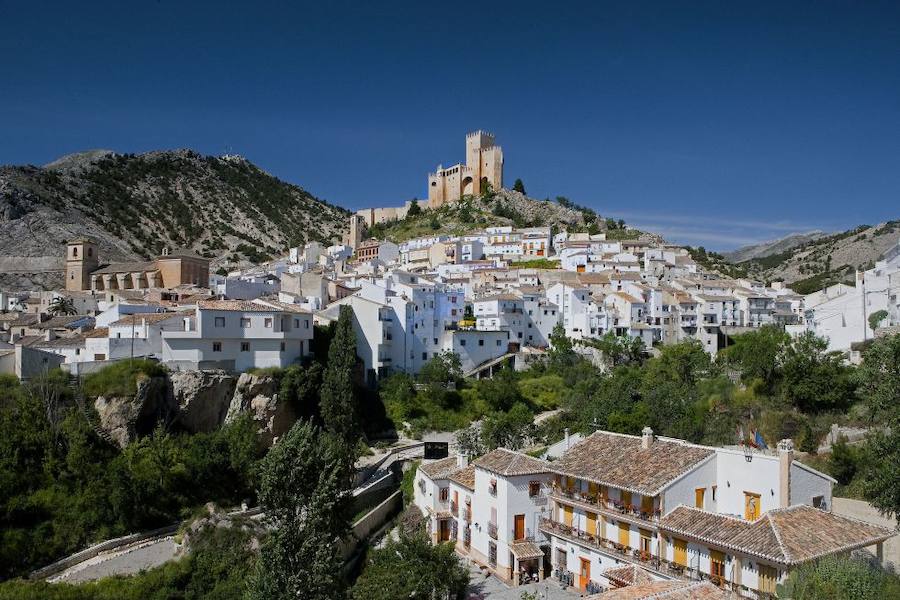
[135,205]
[773,247]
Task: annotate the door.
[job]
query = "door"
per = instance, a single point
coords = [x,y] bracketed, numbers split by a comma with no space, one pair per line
[699,496]
[624,533]
[519,531]
[445,530]
[647,505]
[626,499]
[768,577]
[591,523]
[751,506]
[567,515]
[584,573]
[717,566]
[680,551]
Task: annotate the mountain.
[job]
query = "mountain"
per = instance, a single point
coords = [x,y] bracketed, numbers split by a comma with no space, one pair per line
[823,261]
[773,247]
[224,208]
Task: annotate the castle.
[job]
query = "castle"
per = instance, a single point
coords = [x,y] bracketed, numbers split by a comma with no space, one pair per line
[484,164]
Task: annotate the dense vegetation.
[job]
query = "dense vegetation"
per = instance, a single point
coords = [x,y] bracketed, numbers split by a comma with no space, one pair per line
[838,578]
[63,487]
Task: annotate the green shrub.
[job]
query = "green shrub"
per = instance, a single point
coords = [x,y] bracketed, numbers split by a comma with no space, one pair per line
[120,379]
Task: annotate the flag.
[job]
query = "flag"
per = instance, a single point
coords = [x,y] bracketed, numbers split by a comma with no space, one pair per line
[760,441]
[752,440]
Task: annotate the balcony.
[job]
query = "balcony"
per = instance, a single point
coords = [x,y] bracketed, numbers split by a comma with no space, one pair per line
[605,506]
[492,530]
[648,561]
[454,509]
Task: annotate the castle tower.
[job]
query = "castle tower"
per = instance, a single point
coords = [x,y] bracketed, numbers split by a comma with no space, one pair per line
[485,159]
[81,261]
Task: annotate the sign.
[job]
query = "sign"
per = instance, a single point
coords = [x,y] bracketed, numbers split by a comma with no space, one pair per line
[436,450]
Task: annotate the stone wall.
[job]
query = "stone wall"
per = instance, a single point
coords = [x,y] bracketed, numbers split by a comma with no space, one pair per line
[859,509]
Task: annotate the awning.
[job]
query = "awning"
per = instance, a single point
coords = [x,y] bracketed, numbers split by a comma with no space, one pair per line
[526,550]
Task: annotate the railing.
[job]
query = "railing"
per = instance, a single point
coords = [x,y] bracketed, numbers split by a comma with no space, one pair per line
[492,530]
[612,507]
[527,536]
[467,514]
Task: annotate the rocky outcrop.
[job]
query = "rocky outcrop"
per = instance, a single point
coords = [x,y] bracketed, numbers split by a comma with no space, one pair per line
[201,398]
[127,418]
[258,396]
[216,518]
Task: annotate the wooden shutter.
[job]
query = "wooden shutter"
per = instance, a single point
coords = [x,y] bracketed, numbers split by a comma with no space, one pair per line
[680,551]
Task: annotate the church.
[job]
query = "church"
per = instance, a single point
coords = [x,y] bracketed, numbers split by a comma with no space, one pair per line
[84,272]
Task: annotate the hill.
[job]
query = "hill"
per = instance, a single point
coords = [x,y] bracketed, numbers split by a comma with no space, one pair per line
[224,208]
[778,246]
[503,207]
[823,261]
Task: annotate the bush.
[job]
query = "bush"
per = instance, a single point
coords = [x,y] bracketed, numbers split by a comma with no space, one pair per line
[120,379]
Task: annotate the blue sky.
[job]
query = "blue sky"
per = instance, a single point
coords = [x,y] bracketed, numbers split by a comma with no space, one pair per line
[713,123]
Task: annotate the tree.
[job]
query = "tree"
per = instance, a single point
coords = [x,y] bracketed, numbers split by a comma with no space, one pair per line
[876,317]
[299,387]
[519,186]
[562,351]
[442,369]
[414,209]
[814,379]
[304,487]
[338,398]
[412,567]
[468,441]
[879,378]
[881,483]
[619,350]
[510,429]
[756,354]
[840,577]
[62,306]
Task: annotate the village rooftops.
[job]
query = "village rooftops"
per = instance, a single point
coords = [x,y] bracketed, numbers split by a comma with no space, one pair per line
[788,536]
[126,267]
[509,463]
[665,590]
[629,575]
[501,297]
[440,469]
[465,477]
[292,308]
[65,321]
[236,305]
[621,461]
[141,318]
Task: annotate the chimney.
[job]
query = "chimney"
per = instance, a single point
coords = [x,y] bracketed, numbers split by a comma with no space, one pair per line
[646,438]
[566,437]
[785,458]
[462,460]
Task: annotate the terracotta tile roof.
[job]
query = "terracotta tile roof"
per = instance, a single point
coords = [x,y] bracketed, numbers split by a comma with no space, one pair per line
[235,305]
[97,332]
[126,267]
[292,308]
[629,575]
[509,297]
[618,460]
[787,536]
[526,550]
[62,321]
[508,463]
[139,318]
[24,320]
[465,477]
[440,469]
[665,590]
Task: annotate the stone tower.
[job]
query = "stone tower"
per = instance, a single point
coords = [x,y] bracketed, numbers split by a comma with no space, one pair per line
[484,161]
[81,261]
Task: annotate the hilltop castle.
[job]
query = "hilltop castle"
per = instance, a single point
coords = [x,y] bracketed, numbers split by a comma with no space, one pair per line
[484,164]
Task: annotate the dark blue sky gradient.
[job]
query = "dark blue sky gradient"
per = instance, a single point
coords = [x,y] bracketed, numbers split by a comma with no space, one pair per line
[714,123]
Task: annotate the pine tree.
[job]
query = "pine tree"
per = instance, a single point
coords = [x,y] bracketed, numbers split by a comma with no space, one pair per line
[337,398]
[519,186]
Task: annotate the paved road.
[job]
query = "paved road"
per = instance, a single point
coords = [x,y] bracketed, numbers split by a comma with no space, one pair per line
[123,562]
[491,588]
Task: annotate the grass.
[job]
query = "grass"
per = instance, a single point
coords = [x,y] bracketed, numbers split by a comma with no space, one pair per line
[535,263]
[120,379]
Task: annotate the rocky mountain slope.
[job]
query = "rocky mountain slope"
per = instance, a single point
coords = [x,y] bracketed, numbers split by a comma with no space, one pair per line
[778,246]
[501,207]
[824,261]
[224,208]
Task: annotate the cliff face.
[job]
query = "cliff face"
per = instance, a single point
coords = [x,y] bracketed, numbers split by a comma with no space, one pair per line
[224,208]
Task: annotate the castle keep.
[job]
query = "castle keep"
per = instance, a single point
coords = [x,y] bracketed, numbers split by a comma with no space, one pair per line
[484,163]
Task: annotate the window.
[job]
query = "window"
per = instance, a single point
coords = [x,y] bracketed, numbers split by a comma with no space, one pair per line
[267,322]
[435,341]
[717,564]
[818,501]
[492,487]
[462,342]
[424,356]
[492,554]
[498,342]
[481,342]
[699,495]
[245,322]
[296,323]
[713,493]
[534,488]
[751,506]
[646,536]
[245,346]
[768,577]
[220,322]
[282,346]
[217,346]
[444,494]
